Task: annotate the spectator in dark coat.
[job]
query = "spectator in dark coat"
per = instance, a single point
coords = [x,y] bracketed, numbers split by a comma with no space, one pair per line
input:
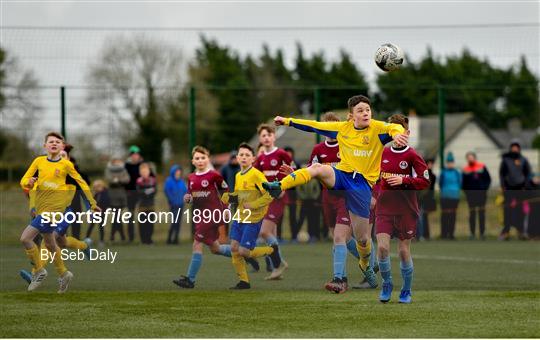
[117,177]
[132,167]
[475,182]
[515,173]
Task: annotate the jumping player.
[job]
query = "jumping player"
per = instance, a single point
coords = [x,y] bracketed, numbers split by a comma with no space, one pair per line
[403,172]
[269,162]
[251,202]
[361,142]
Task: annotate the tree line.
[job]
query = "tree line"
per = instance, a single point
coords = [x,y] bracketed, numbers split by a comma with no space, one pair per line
[143,84]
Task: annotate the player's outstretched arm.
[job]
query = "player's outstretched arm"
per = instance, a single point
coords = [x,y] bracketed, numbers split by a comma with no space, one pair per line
[328,129]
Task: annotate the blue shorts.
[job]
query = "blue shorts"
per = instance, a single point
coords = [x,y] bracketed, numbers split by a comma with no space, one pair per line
[46,228]
[357,191]
[245,233]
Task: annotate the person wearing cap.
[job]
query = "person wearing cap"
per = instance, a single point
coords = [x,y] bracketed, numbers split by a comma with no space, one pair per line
[476,181]
[514,172]
[450,184]
[175,188]
[132,166]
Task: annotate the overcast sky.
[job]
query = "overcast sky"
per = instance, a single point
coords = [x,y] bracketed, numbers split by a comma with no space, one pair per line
[62,57]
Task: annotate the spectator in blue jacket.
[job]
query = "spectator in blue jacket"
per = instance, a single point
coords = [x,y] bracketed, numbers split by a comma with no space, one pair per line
[450,184]
[175,189]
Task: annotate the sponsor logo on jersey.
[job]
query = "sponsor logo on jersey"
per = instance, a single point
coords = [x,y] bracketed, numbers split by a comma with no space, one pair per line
[270,173]
[403,165]
[362,153]
[273,162]
[204,183]
[200,194]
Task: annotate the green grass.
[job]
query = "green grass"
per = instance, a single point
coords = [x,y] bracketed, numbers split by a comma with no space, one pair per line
[461,289]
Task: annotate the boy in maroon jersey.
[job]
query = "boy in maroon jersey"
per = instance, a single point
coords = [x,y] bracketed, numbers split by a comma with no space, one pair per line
[204,186]
[269,162]
[403,172]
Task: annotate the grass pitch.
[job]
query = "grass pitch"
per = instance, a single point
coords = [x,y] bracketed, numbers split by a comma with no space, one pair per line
[461,289]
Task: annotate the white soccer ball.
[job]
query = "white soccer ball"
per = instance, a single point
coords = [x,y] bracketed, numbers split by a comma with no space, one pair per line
[389,57]
[303,236]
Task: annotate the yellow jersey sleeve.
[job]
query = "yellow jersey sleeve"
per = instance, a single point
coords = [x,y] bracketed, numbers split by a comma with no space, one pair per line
[328,129]
[392,129]
[30,173]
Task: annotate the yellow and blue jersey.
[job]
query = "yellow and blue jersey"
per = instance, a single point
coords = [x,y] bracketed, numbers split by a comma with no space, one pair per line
[248,187]
[360,149]
[50,193]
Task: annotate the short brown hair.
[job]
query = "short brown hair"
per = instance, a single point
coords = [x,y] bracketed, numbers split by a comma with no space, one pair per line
[54,134]
[330,117]
[269,128]
[245,145]
[68,147]
[398,118]
[200,149]
[355,100]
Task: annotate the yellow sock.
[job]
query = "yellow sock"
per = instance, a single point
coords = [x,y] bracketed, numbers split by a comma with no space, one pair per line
[239,264]
[35,258]
[59,263]
[261,251]
[73,243]
[364,252]
[297,178]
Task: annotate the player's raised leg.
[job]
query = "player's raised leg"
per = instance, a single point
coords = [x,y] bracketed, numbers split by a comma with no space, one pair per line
[385,268]
[322,172]
[407,269]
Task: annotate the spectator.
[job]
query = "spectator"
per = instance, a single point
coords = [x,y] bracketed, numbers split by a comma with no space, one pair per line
[515,173]
[132,167]
[291,200]
[476,181]
[428,204]
[101,194]
[309,194]
[78,199]
[146,187]
[450,184]
[175,189]
[117,177]
[228,171]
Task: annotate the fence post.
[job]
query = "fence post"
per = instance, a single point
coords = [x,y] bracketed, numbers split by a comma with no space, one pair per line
[191,119]
[317,108]
[441,109]
[63,111]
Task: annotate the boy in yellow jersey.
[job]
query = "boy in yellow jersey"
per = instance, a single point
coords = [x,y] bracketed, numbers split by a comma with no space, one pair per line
[361,142]
[62,240]
[252,202]
[51,196]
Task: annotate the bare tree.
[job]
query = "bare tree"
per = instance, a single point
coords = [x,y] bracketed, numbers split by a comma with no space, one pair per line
[138,82]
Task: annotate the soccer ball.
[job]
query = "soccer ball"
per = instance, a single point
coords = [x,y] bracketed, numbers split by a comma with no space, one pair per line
[389,57]
[303,236]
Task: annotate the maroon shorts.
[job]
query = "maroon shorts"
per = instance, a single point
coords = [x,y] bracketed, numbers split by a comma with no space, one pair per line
[206,233]
[335,210]
[275,210]
[400,226]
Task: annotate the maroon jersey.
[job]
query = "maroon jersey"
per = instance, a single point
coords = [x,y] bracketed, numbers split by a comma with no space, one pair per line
[269,163]
[204,188]
[401,199]
[325,153]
